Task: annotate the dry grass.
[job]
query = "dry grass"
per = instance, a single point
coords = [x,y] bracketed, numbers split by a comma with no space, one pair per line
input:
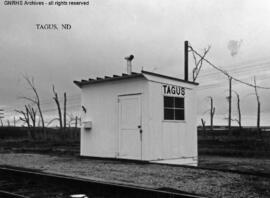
[205,182]
[252,165]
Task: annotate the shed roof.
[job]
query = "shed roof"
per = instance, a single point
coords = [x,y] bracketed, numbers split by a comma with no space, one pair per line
[127,76]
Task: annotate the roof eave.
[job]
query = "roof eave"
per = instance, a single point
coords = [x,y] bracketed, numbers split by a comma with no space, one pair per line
[169,77]
[83,83]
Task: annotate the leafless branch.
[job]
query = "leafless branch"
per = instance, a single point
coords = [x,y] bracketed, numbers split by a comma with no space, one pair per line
[212,111]
[51,121]
[29,99]
[239,120]
[198,64]
[35,100]
[65,110]
[56,99]
[24,117]
[203,124]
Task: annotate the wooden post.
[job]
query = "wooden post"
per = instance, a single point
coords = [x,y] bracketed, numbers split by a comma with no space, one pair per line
[258,106]
[186,60]
[230,103]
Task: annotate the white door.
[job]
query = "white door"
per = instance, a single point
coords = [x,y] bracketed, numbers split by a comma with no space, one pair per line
[130,132]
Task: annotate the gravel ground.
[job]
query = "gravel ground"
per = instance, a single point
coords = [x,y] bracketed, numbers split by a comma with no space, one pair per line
[204,182]
[253,165]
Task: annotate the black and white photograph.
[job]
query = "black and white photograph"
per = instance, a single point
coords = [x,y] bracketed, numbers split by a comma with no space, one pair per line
[134,98]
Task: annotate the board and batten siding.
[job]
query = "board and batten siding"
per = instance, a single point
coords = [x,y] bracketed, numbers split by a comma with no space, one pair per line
[170,139]
[161,139]
[101,102]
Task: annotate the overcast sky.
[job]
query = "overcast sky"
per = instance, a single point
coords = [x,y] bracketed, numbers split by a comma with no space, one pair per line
[106,31]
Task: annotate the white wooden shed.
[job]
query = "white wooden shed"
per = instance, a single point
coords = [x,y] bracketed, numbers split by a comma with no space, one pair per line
[140,116]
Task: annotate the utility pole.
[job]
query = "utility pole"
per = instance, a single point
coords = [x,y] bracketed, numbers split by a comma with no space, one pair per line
[186,60]
[258,106]
[230,103]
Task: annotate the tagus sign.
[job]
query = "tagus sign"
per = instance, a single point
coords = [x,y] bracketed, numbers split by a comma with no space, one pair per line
[173,90]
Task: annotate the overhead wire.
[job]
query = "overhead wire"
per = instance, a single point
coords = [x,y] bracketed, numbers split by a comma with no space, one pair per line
[225,72]
[240,70]
[212,85]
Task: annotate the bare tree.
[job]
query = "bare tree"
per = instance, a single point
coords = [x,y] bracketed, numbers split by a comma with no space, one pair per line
[62,118]
[32,114]
[239,120]
[76,122]
[29,117]
[56,99]
[74,119]
[198,63]
[65,110]
[36,100]
[25,117]
[15,121]
[212,112]
[258,105]
[51,121]
[203,125]
[1,122]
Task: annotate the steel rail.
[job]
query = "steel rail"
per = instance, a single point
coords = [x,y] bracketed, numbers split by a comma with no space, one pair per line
[6,194]
[105,188]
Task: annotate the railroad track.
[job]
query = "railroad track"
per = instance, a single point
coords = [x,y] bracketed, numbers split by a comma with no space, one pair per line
[25,183]
[6,194]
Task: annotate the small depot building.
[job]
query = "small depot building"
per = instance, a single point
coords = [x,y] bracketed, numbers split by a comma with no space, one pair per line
[139,116]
